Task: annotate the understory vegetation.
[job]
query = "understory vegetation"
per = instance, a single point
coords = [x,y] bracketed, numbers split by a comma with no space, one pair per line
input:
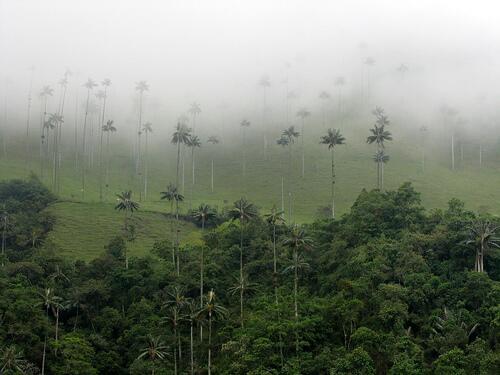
[388,288]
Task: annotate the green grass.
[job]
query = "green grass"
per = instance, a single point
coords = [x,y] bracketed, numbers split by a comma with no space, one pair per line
[82,230]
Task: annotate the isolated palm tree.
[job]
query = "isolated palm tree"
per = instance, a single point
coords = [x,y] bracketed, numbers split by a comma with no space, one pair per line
[44,95]
[303,113]
[332,139]
[103,96]
[244,211]
[449,119]
[212,311]
[423,137]
[483,235]
[180,137]
[264,83]
[12,361]
[283,142]
[297,241]
[193,143]
[244,125]
[140,87]
[128,206]
[56,120]
[212,140]
[154,352]
[58,133]
[89,85]
[290,134]
[173,196]
[147,129]
[108,128]
[325,97]
[194,111]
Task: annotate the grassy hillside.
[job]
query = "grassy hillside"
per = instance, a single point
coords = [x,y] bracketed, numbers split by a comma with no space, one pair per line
[83,229]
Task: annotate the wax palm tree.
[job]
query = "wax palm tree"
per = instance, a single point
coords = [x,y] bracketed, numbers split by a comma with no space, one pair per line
[194,111]
[290,134]
[297,241]
[12,361]
[175,303]
[264,83]
[380,158]
[155,351]
[244,125]
[108,128]
[449,120]
[203,213]
[104,96]
[172,194]
[423,136]
[180,137]
[49,300]
[303,113]
[332,139]
[194,318]
[212,311]
[483,235]
[147,129]
[325,97]
[193,143]
[56,120]
[140,87]
[128,206]
[44,95]
[58,133]
[89,85]
[212,140]
[244,211]
[283,142]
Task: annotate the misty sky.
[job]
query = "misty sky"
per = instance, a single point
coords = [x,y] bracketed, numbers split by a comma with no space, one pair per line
[215,51]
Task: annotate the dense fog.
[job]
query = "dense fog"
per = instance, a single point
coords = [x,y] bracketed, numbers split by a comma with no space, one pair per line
[424,55]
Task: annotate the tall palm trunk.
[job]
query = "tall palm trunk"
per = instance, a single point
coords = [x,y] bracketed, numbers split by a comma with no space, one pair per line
[75,144]
[333,184]
[138,134]
[191,346]
[4,236]
[275,282]
[212,177]
[106,182]
[28,120]
[452,151]
[241,271]
[146,151]
[295,293]
[202,264]
[210,343]
[480,156]
[45,341]
[101,135]
[84,145]
[290,183]
[303,151]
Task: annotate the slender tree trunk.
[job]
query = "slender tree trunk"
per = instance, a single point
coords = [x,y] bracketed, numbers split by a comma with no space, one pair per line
[209,343]
[303,151]
[106,182]
[4,237]
[333,185]
[75,144]
[192,347]
[212,176]
[452,151]
[146,152]
[295,293]
[480,156]
[202,261]
[282,195]
[84,135]
[138,139]
[101,135]
[45,341]
[382,175]
[241,272]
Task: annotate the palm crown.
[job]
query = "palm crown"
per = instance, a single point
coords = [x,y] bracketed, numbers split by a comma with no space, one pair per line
[245,123]
[290,133]
[381,157]
[172,194]
[108,127]
[125,202]
[147,127]
[332,138]
[195,108]
[303,113]
[141,86]
[193,141]
[213,140]
[181,134]
[243,210]
[90,84]
[379,135]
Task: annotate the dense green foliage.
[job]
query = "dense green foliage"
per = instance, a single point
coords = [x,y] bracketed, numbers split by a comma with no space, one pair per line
[387,288]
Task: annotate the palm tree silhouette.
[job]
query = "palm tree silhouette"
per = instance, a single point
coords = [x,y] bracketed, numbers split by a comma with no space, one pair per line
[212,140]
[44,95]
[175,303]
[297,241]
[141,87]
[104,96]
[212,311]
[172,194]
[380,158]
[244,211]
[12,361]
[128,206]
[193,143]
[283,142]
[49,300]
[155,351]
[290,134]
[332,139]
[379,136]
[108,128]
[203,213]
[180,137]
[89,85]
[303,113]
[147,129]
[483,235]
